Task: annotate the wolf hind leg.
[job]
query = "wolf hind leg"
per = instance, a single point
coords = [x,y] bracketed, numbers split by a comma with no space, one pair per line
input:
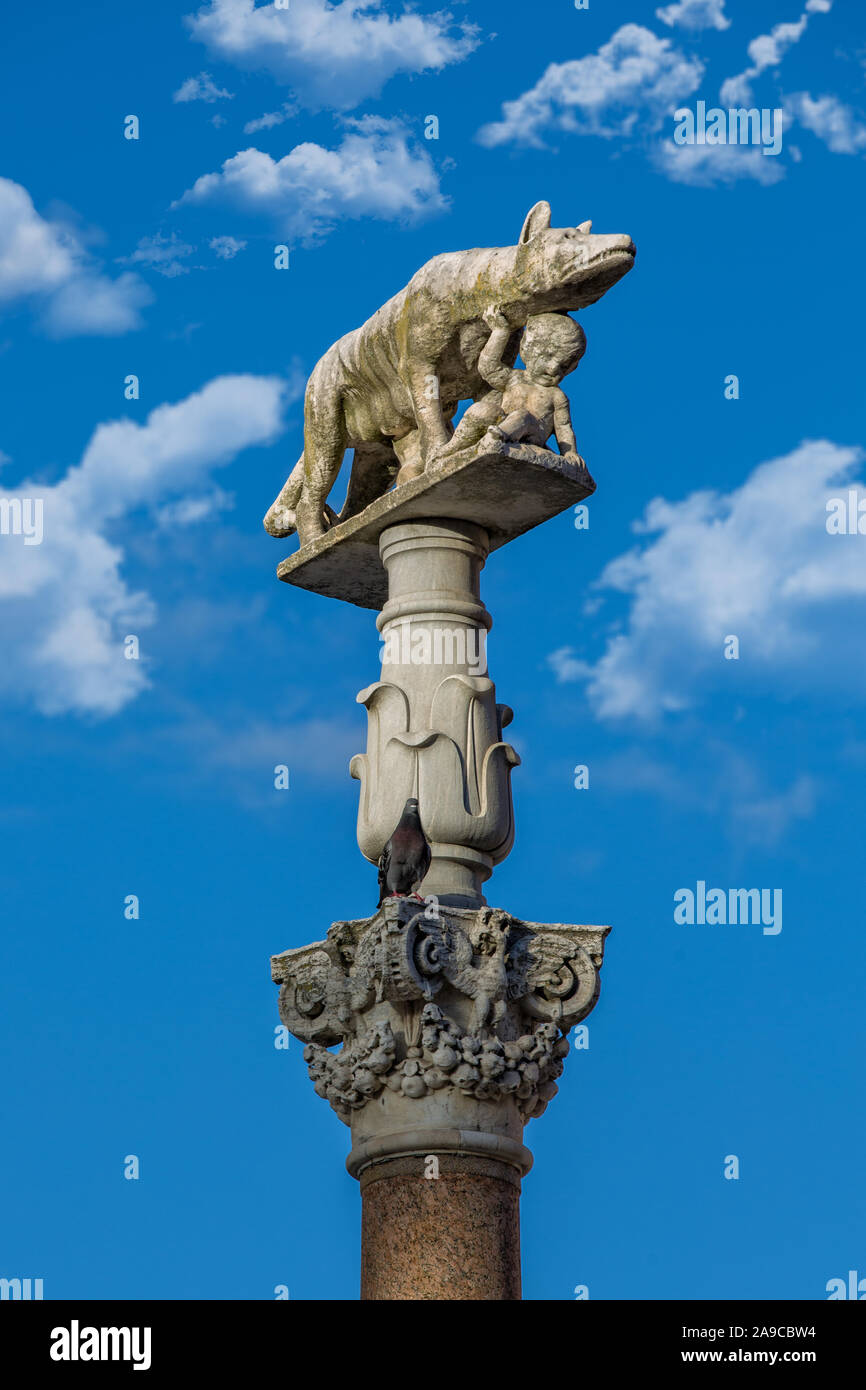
[324,446]
[374,468]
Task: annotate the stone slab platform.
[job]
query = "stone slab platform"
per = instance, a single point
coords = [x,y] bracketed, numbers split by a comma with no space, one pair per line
[507,490]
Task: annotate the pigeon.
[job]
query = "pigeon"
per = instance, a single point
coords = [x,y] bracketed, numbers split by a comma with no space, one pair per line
[406,857]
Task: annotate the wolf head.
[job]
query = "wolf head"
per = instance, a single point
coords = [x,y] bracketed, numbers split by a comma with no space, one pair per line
[567,267]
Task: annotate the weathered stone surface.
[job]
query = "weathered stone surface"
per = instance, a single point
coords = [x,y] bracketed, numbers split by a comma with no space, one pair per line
[434,727]
[390,388]
[507,489]
[449,1018]
[454,1236]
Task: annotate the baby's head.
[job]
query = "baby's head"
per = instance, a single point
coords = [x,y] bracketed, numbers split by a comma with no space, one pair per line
[551,346]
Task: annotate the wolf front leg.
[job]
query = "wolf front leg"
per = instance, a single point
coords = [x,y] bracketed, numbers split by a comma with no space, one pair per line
[324,446]
[408,451]
[432,430]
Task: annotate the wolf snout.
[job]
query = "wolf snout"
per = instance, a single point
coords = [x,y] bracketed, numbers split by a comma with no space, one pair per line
[619,244]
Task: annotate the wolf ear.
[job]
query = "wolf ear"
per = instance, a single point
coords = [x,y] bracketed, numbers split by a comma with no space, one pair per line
[537,220]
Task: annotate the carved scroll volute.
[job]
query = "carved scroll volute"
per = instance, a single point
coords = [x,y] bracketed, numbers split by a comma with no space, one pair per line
[397,957]
[311,999]
[560,978]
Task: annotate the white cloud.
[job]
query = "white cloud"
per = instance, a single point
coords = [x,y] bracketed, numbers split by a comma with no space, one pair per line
[44,262]
[164,254]
[272,118]
[710,776]
[756,563]
[65,605]
[840,127]
[628,88]
[226,247]
[705,165]
[763,820]
[332,55]
[202,88]
[767,51]
[316,746]
[695,14]
[567,666]
[236,755]
[188,511]
[372,173]
[94,305]
[36,257]
[634,79]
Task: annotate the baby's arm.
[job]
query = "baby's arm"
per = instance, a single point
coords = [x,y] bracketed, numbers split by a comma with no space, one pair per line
[490,363]
[562,426]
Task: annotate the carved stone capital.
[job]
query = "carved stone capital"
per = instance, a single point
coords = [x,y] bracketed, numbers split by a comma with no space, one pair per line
[439,1004]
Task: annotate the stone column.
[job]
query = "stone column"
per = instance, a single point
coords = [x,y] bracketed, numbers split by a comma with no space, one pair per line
[434,727]
[437,1094]
[441,1226]
[450,1015]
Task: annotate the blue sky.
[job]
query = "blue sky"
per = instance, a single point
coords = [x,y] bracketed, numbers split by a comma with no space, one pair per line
[155,257]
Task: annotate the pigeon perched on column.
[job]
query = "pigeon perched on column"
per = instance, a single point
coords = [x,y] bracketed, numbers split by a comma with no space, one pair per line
[406,857]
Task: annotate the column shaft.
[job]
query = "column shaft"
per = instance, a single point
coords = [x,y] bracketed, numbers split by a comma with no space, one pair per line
[455,1236]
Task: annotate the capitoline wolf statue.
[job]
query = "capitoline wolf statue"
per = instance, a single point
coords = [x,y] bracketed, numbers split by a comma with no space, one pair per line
[390,388]
[451,1014]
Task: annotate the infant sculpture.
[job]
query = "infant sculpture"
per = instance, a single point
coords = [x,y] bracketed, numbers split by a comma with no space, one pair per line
[390,388]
